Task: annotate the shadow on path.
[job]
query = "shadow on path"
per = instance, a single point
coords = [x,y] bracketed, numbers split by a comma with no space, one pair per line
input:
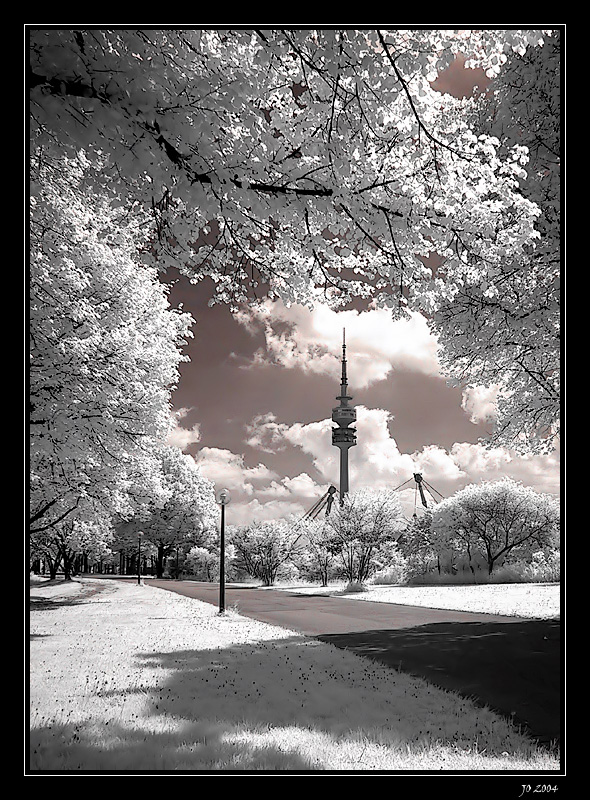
[513,668]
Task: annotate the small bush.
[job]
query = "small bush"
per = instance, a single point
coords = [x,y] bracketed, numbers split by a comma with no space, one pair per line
[542,567]
[436,578]
[288,572]
[390,576]
[354,587]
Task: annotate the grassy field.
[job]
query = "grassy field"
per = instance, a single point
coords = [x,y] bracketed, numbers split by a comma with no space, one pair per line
[131,678]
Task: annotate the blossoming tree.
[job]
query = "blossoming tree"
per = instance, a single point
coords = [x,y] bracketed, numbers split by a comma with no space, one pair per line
[104,354]
[496,520]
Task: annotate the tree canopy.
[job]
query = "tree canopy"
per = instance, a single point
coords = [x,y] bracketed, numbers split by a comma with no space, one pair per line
[316,164]
[104,355]
[501,325]
[495,520]
[363,531]
[187,512]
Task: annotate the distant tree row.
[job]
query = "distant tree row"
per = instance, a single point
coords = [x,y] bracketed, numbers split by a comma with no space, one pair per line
[181,515]
[482,527]
[367,538]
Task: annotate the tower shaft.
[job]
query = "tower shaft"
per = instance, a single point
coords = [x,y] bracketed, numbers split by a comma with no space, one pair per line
[343,472]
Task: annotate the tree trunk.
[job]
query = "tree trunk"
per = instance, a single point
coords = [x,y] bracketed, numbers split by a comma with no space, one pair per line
[52,564]
[68,560]
[470,561]
[160,561]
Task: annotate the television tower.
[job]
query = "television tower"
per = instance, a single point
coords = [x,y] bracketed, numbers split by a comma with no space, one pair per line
[343,415]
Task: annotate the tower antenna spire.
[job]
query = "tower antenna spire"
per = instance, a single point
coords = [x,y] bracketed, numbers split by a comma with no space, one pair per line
[344,378]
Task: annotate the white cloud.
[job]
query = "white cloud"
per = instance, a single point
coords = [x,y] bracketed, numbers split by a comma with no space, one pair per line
[303,486]
[227,470]
[480,402]
[183,437]
[311,340]
[439,465]
[541,472]
[266,434]
[377,462]
[254,510]
[259,493]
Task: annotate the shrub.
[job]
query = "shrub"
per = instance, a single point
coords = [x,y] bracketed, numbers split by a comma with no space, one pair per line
[542,567]
[394,573]
[354,587]
[436,578]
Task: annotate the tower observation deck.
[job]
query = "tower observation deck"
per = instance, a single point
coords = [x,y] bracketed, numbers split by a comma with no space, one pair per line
[343,436]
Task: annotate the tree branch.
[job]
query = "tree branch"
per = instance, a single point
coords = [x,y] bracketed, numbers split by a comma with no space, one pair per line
[404,85]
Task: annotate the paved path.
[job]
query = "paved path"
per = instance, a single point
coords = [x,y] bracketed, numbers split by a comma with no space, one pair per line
[510,664]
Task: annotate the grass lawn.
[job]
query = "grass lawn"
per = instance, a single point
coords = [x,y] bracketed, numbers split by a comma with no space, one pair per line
[131,678]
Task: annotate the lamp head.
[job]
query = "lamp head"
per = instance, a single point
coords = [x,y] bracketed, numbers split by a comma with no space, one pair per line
[223,497]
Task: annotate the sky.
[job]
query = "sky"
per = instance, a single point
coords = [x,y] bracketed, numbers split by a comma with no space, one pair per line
[253,404]
[253,407]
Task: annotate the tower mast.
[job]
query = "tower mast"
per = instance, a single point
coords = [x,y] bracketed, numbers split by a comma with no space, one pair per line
[343,437]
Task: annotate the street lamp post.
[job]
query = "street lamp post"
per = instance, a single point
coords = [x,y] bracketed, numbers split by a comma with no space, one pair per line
[139,558]
[223,498]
